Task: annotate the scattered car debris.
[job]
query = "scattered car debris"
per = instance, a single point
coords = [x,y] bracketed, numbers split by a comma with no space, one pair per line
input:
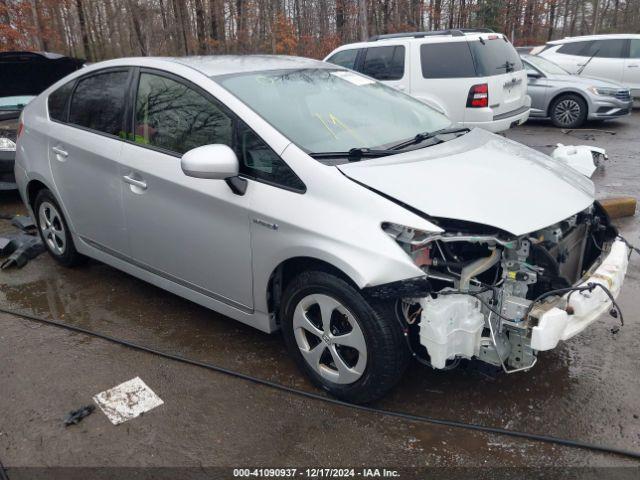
[6,246]
[569,131]
[75,416]
[127,400]
[583,158]
[20,248]
[24,223]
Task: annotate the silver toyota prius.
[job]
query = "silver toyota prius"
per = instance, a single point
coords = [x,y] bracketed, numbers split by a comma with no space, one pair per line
[292,194]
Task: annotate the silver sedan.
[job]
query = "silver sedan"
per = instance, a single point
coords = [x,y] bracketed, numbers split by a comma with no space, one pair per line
[569,100]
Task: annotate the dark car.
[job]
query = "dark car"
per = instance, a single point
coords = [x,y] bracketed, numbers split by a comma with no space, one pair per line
[23,75]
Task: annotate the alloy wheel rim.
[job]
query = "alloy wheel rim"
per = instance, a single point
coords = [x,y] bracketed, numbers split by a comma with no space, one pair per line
[567,111]
[52,228]
[330,339]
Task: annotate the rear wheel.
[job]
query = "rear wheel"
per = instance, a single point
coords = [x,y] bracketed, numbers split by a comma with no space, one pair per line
[568,111]
[347,346]
[54,230]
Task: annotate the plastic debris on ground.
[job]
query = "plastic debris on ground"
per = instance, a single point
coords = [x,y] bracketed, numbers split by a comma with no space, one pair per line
[582,158]
[127,401]
[75,416]
[24,223]
[20,247]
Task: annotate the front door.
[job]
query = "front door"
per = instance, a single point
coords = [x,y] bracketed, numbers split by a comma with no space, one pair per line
[537,87]
[192,231]
[84,151]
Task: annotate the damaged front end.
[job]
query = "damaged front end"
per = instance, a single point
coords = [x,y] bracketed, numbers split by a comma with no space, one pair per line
[500,299]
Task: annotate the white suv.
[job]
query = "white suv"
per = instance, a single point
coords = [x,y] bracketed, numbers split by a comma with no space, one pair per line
[474,77]
[611,57]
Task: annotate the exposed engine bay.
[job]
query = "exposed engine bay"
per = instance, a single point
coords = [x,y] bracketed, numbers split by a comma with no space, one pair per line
[498,298]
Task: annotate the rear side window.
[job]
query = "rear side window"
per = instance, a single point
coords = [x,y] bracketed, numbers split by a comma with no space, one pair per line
[98,102]
[175,117]
[57,102]
[345,58]
[495,57]
[634,51]
[384,63]
[574,48]
[613,48]
[446,60]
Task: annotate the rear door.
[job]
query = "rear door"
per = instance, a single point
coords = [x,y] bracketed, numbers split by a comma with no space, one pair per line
[84,149]
[631,75]
[604,59]
[191,231]
[498,62]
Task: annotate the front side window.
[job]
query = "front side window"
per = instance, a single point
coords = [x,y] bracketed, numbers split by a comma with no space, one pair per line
[98,102]
[258,161]
[384,63]
[446,60]
[57,102]
[324,110]
[606,48]
[634,51]
[172,116]
[345,58]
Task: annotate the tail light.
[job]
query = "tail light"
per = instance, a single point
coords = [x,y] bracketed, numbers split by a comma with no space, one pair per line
[478,96]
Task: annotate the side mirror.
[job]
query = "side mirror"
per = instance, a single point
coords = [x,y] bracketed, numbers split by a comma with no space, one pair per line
[532,74]
[210,161]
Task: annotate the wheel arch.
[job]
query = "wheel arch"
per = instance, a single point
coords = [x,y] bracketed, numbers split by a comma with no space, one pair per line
[34,187]
[288,269]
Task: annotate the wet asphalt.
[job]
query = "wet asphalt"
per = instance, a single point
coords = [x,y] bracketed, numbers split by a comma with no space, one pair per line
[588,388]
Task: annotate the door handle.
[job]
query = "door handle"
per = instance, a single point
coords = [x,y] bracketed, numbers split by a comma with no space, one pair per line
[633,66]
[59,151]
[135,182]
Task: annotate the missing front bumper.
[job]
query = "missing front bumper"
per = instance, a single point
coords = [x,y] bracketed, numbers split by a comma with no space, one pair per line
[557,324]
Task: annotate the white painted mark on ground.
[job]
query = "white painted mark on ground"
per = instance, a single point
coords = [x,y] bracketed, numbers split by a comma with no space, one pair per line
[127,400]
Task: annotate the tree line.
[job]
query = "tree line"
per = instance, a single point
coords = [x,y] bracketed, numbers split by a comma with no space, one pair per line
[101,29]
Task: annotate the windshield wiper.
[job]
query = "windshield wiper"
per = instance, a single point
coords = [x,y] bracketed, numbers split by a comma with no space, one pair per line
[355,154]
[421,137]
[584,65]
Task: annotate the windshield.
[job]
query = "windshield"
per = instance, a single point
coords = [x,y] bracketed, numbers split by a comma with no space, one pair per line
[324,110]
[494,56]
[15,103]
[546,66]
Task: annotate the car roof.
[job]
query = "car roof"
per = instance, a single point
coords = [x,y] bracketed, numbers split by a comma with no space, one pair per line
[455,35]
[216,65]
[594,37]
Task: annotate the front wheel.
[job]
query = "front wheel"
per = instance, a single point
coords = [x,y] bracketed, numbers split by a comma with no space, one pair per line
[346,345]
[568,111]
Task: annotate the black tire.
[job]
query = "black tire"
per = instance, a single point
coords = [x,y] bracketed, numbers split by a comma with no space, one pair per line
[386,351]
[67,256]
[568,111]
